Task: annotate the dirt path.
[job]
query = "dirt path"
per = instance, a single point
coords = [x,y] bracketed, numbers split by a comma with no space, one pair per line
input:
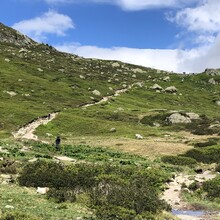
[106,98]
[172,195]
[27,132]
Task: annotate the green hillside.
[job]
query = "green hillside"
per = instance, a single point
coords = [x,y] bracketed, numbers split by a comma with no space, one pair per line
[126,132]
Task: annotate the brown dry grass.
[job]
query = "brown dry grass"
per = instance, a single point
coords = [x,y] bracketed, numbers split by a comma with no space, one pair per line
[172,144]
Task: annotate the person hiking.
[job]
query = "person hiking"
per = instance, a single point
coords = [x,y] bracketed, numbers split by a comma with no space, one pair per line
[57,143]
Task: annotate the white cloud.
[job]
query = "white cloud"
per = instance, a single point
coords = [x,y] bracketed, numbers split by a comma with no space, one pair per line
[132,4]
[194,60]
[197,60]
[160,59]
[203,18]
[49,23]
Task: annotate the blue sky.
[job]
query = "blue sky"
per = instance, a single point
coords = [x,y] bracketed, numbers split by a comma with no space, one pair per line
[174,35]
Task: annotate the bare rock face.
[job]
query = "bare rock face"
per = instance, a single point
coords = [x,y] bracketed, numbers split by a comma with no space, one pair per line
[178,118]
[213,72]
[9,35]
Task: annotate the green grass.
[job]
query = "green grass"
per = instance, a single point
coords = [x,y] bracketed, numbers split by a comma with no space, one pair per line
[27,201]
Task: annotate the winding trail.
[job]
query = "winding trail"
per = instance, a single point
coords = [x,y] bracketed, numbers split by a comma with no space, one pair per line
[173,196]
[27,132]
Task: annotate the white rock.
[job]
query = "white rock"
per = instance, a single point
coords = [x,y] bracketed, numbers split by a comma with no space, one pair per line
[138,136]
[171,89]
[96,92]
[11,93]
[178,118]
[42,190]
[7,60]
[115,64]
[156,87]
[9,207]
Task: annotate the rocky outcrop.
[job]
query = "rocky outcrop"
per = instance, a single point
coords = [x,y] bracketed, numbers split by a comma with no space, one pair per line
[178,118]
[213,72]
[9,35]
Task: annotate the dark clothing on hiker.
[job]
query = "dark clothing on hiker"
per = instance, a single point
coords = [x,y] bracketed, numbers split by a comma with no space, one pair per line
[57,143]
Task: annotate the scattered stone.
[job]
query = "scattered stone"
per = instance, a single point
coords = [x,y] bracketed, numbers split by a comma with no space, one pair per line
[39,69]
[217,103]
[64,158]
[166,79]
[7,60]
[42,190]
[9,207]
[133,76]
[32,160]
[82,77]
[113,130]
[138,136]
[96,92]
[11,93]
[116,64]
[171,89]
[138,70]
[156,87]
[212,81]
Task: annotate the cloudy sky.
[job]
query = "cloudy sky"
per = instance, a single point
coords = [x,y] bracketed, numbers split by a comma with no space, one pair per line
[174,35]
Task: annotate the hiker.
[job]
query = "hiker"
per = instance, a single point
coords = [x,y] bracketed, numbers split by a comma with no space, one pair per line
[57,142]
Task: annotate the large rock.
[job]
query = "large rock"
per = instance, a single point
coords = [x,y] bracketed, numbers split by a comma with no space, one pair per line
[212,81]
[156,87]
[217,103]
[138,136]
[96,92]
[178,118]
[171,89]
[213,72]
[42,190]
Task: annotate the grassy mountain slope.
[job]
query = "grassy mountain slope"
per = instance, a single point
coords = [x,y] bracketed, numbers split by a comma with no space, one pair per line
[37,80]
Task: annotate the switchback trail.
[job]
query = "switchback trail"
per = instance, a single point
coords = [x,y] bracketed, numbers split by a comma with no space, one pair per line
[27,132]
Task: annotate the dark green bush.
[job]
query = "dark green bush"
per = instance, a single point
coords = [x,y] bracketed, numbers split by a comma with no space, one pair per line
[205,155]
[194,186]
[109,212]
[212,188]
[179,160]
[206,144]
[217,169]
[62,195]
[127,189]
[8,166]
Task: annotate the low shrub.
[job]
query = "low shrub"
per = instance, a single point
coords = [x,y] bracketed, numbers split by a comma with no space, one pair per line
[212,189]
[217,169]
[208,143]
[205,155]
[179,160]
[62,195]
[8,166]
